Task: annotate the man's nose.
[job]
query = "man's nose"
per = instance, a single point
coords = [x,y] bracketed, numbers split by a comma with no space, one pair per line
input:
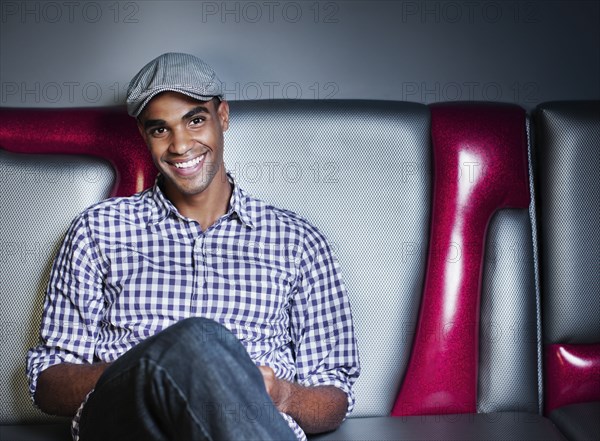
[181,142]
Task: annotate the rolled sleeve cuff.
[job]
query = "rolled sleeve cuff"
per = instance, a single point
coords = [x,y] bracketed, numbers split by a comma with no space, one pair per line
[41,358]
[294,426]
[35,366]
[77,418]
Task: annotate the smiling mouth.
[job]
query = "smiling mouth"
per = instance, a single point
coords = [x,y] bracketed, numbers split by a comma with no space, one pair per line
[190,163]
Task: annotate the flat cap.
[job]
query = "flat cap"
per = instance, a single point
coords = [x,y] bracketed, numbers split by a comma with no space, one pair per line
[176,72]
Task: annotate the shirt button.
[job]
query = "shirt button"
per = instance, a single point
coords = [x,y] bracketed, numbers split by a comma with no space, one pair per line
[199,245]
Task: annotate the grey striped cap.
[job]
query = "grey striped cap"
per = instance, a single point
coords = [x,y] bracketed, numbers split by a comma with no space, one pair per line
[174,72]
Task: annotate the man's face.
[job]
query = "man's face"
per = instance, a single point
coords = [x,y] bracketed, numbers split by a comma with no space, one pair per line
[185,138]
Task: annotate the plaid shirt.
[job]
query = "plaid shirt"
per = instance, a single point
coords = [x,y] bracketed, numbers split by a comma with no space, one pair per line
[130,267]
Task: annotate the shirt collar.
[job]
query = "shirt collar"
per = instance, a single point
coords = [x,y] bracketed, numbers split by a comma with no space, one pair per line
[238,204]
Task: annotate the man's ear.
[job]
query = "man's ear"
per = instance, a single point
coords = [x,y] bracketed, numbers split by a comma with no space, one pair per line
[223,113]
[141,129]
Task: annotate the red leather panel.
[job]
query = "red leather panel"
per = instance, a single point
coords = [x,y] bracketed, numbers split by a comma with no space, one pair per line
[480,166]
[572,374]
[108,133]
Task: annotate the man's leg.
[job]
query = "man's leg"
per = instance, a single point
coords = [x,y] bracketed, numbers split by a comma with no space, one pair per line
[192,381]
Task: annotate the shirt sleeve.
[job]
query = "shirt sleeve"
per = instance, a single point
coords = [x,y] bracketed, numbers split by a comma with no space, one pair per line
[322,329]
[72,306]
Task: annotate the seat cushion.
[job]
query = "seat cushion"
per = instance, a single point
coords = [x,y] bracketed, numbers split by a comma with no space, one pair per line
[461,427]
[36,432]
[579,421]
[476,427]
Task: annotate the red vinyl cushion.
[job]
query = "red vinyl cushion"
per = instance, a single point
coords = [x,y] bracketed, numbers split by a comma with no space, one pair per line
[108,133]
[572,374]
[480,166]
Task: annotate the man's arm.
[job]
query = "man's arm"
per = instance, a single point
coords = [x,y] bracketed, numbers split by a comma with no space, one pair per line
[60,369]
[322,336]
[315,408]
[63,387]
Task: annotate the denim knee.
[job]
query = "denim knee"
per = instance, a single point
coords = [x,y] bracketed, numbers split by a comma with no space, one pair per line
[195,339]
[201,330]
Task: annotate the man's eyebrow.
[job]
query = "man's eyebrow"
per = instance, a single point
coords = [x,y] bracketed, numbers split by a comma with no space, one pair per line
[194,111]
[161,122]
[153,123]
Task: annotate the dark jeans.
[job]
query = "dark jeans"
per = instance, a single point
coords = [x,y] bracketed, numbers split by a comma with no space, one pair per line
[192,381]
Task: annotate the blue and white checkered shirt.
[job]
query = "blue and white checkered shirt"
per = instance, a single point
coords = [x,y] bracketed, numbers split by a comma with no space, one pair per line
[130,267]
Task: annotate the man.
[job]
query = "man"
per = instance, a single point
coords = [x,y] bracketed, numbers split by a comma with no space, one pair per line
[193,310]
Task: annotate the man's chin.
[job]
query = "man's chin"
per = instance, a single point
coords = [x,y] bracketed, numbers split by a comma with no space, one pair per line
[190,191]
[185,189]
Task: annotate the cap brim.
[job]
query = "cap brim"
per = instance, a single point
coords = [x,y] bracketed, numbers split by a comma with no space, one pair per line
[134,109]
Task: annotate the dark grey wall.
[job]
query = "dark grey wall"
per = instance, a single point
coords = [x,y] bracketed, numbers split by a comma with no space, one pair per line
[83,53]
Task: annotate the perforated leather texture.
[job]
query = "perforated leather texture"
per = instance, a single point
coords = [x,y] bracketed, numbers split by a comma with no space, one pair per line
[37,432]
[508,368]
[40,195]
[579,422]
[568,168]
[360,171]
[513,426]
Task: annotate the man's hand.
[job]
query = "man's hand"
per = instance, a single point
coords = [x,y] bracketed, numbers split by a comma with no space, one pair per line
[316,409]
[62,388]
[280,391]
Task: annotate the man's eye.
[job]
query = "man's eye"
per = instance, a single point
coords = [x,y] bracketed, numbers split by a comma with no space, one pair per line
[158,131]
[197,120]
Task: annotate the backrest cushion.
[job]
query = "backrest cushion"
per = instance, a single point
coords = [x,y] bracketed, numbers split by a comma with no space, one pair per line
[568,173]
[42,190]
[40,195]
[360,171]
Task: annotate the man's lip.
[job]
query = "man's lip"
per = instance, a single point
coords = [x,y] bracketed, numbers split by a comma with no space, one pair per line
[191,170]
[183,161]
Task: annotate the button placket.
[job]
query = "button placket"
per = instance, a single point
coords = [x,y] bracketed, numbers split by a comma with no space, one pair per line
[199,276]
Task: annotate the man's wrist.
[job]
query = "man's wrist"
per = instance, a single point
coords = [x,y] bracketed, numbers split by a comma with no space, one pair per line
[286,394]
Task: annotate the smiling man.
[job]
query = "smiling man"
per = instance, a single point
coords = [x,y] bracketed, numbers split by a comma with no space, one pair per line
[161,321]
[186,143]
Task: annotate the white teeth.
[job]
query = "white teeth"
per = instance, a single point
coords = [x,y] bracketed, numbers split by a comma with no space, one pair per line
[189,163]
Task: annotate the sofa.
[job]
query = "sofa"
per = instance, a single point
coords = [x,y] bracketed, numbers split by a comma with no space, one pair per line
[468,234]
